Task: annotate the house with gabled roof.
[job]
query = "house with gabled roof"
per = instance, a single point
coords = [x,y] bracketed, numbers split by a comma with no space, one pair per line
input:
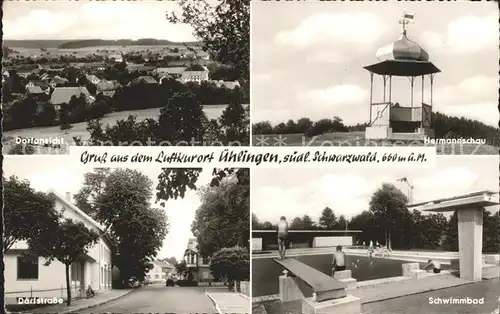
[107,88]
[92,79]
[160,272]
[143,80]
[198,266]
[195,76]
[24,278]
[62,95]
[175,72]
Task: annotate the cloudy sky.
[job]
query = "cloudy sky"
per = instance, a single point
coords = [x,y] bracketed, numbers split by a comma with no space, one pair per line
[64,176]
[92,20]
[277,192]
[308,58]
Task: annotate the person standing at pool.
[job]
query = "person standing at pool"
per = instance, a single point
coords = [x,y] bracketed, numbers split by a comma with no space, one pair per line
[282,235]
[435,266]
[338,260]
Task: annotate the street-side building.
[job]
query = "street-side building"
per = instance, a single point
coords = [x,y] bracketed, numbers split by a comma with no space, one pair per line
[25,278]
[197,265]
[195,76]
[160,271]
[118,58]
[175,72]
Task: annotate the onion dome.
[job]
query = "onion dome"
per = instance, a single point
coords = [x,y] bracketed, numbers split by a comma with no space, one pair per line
[403,49]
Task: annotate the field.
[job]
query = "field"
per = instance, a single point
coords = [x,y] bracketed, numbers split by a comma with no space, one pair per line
[358,139]
[82,52]
[79,129]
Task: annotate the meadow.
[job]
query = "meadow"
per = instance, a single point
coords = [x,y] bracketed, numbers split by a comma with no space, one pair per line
[80,129]
[355,139]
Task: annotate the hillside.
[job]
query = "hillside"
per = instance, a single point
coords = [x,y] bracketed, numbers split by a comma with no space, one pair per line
[69,43]
[444,127]
[33,43]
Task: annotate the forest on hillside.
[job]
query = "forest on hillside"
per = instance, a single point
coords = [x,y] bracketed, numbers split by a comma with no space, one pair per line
[119,42]
[444,126]
[69,43]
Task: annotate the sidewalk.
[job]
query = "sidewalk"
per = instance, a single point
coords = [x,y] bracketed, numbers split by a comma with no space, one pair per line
[406,287]
[230,302]
[82,304]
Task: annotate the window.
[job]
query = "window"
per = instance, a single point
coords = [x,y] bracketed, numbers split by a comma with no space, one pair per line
[148,277]
[163,276]
[27,268]
[102,275]
[156,276]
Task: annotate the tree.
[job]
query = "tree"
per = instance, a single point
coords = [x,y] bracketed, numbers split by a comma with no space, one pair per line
[93,186]
[27,214]
[22,149]
[232,263]
[342,223]
[224,30]
[235,123]
[65,243]
[328,220]
[222,219]
[181,268]
[297,224]
[365,221]
[181,119]
[173,183]
[171,260]
[491,232]
[451,240]
[307,223]
[389,207]
[264,127]
[256,225]
[121,201]
[64,117]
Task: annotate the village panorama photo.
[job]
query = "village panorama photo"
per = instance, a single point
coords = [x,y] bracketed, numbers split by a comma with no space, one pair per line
[156,74]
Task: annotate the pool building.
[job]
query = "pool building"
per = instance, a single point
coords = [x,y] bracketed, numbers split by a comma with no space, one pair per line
[267,239]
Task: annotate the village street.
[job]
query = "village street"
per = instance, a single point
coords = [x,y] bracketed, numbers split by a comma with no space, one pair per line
[158,298]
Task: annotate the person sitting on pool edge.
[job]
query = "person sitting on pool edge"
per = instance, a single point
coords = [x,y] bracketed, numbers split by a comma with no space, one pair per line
[435,266]
[338,260]
[282,234]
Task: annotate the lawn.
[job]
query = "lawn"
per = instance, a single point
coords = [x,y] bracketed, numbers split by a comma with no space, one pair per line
[80,129]
[358,139]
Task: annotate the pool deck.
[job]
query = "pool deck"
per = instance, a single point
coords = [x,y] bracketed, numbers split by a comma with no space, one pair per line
[395,287]
[392,297]
[377,294]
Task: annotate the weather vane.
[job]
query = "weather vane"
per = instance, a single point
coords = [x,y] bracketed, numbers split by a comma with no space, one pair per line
[405,20]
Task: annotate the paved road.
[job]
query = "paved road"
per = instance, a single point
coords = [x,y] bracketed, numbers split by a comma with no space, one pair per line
[419,303]
[159,299]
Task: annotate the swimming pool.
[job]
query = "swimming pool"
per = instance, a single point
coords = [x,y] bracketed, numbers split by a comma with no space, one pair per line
[265,272]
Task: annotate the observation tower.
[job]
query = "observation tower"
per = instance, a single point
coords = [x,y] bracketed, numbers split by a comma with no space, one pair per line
[397,120]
